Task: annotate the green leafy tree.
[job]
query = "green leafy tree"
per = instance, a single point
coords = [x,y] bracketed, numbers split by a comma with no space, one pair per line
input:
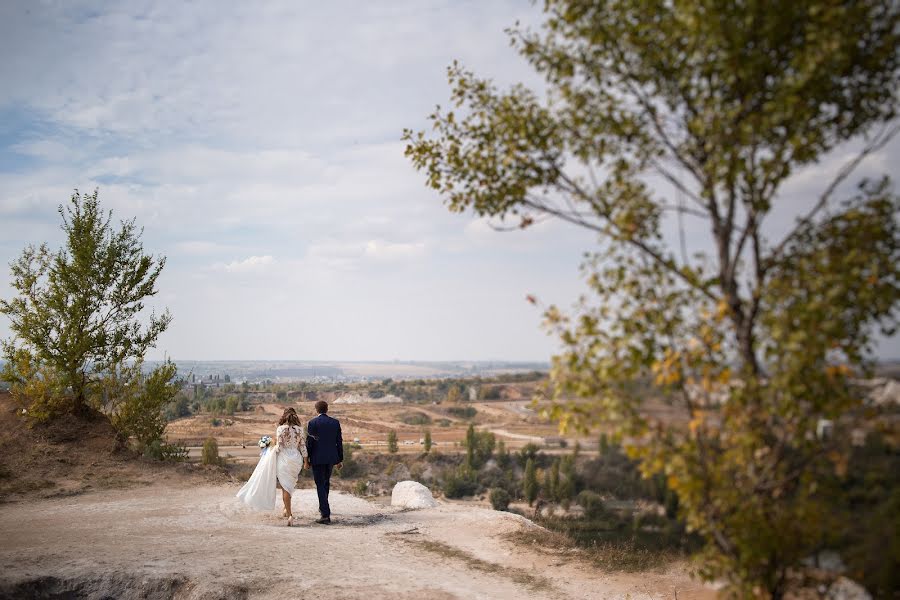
[470,446]
[660,112]
[551,481]
[530,482]
[135,402]
[568,481]
[427,444]
[76,312]
[392,442]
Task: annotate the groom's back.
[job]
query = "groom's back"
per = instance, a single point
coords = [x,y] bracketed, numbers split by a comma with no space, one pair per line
[324,441]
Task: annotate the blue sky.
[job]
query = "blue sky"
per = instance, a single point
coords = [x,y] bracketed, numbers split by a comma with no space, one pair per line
[259,146]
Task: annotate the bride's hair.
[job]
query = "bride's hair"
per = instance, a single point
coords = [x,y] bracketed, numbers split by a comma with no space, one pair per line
[290,417]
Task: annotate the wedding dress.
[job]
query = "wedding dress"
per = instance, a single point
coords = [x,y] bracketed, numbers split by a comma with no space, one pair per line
[280,464]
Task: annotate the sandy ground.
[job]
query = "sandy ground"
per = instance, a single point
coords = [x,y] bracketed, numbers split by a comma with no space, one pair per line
[174,542]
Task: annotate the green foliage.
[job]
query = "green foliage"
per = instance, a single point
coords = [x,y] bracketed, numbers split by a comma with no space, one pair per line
[462,412]
[161,450]
[753,344]
[499,498]
[551,481]
[351,467]
[427,445]
[392,441]
[460,482]
[361,488]
[416,418]
[210,454]
[528,451]
[479,447]
[530,483]
[77,310]
[135,401]
[36,386]
[592,503]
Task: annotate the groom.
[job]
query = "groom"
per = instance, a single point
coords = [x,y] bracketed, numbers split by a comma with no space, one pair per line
[326,450]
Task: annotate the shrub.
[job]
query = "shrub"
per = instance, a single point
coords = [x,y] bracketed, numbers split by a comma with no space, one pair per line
[416,418]
[592,503]
[360,488]
[211,452]
[427,441]
[459,482]
[499,499]
[160,450]
[136,402]
[462,412]
[392,441]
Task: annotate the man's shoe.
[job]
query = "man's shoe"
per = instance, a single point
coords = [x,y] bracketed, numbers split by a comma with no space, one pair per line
[324,521]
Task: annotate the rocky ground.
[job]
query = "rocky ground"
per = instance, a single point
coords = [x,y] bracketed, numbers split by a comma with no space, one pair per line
[168,540]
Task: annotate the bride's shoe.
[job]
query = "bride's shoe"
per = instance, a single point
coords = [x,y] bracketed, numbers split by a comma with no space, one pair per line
[284,513]
[290,522]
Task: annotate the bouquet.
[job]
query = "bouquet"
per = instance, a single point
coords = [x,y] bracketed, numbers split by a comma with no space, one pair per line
[264,443]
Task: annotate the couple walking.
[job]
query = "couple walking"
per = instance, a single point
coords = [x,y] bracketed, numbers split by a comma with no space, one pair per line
[319,446]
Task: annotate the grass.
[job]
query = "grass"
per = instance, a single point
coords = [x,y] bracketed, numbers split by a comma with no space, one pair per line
[520,576]
[612,556]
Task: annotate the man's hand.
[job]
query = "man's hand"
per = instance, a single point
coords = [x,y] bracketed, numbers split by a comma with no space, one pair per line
[306,463]
[339,466]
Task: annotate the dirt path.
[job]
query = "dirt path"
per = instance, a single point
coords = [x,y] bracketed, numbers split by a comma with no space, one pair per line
[176,542]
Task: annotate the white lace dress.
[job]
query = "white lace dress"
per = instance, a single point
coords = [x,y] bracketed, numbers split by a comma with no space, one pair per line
[280,464]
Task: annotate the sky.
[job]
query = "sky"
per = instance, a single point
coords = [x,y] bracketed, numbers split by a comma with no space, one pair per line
[258,145]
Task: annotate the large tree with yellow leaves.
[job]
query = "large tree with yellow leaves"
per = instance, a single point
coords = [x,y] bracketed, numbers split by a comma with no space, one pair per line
[702,108]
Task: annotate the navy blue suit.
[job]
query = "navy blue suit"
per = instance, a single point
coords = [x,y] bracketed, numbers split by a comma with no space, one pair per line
[326,449]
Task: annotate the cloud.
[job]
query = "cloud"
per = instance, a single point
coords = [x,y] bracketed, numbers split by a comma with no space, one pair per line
[251,264]
[382,250]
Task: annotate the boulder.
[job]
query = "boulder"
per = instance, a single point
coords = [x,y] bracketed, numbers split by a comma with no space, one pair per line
[847,589]
[412,494]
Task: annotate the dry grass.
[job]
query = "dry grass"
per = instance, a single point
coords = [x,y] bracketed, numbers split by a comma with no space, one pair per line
[618,556]
[519,576]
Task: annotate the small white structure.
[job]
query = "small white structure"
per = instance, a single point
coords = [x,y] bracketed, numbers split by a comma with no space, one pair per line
[412,494]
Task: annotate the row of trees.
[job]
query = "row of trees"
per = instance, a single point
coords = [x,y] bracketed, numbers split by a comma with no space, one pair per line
[79,333]
[656,113]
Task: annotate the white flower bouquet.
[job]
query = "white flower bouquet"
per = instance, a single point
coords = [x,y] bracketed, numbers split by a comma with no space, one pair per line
[264,443]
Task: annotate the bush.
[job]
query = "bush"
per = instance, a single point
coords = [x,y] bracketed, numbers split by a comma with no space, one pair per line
[499,499]
[459,482]
[159,450]
[592,503]
[136,402]
[360,488]
[416,418]
[211,452]
[36,386]
[462,412]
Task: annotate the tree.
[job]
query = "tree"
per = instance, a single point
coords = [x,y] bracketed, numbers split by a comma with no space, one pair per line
[661,112]
[551,481]
[568,483]
[427,441]
[499,498]
[470,446]
[135,401]
[77,310]
[392,441]
[530,483]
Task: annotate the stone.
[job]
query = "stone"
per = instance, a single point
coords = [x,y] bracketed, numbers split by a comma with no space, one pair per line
[847,589]
[412,494]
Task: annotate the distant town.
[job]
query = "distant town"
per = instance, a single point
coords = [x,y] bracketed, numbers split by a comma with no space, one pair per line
[286,371]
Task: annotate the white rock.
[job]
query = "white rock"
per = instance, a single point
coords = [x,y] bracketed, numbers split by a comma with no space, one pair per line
[412,494]
[846,589]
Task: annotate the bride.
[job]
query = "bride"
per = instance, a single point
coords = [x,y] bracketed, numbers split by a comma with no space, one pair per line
[278,467]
